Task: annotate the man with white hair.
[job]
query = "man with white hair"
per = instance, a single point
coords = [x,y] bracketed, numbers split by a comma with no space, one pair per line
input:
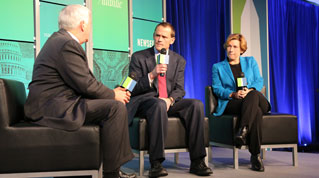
[64,94]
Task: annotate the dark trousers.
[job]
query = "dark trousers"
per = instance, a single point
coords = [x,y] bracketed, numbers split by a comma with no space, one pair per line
[111,115]
[190,111]
[250,109]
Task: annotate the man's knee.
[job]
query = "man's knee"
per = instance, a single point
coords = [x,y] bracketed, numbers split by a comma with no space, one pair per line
[157,112]
[197,104]
[119,107]
[159,105]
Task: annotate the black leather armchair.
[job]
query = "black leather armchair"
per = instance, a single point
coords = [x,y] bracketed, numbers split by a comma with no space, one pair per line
[278,130]
[174,143]
[29,150]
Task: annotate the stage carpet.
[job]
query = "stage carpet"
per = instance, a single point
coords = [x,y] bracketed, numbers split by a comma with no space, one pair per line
[278,164]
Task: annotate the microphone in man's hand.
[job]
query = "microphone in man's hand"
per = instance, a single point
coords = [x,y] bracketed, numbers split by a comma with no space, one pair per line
[162,58]
[129,82]
[241,82]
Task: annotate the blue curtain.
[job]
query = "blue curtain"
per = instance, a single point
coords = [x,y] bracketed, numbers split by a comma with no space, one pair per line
[294,63]
[202,27]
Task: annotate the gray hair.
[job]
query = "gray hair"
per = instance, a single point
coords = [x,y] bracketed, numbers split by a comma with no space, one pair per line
[71,16]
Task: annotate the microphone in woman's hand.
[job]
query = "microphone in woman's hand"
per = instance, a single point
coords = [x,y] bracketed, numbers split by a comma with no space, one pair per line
[241,82]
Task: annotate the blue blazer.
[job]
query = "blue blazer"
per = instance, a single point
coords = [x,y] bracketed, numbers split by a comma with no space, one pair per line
[224,83]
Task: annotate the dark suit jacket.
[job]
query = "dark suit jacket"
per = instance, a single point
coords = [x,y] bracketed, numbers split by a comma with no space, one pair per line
[142,63]
[61,83]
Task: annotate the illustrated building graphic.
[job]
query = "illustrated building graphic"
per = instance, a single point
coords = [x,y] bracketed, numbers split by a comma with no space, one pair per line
[14,65]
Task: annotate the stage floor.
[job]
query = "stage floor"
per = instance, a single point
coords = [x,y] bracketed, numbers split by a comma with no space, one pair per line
[278,164]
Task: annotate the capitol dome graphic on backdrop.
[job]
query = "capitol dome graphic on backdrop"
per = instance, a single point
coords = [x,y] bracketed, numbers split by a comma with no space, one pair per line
[16,61]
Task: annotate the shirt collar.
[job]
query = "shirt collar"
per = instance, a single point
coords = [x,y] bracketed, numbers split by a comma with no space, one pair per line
[157,52]
[74,37]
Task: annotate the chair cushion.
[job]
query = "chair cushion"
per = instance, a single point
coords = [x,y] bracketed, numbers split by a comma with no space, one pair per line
[277,129]
[27,147]
[222,128]
[176,135]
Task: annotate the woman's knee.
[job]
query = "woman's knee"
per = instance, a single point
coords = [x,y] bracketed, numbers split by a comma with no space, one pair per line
[253,94]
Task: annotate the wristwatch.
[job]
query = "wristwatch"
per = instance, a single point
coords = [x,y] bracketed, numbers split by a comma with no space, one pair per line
[172,101]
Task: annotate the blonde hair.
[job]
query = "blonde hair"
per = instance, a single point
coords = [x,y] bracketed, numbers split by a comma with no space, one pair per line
[240,38]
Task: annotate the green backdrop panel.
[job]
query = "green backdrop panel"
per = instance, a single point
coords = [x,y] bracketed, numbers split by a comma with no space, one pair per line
[16,17]
[109,67]
[49,14]
[110,24]
[16,61]
[143,34]
[67,2]
[238,7]
[148,9]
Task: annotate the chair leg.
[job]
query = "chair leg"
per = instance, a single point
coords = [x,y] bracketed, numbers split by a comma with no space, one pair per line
[263,153]
[176,157]
[141,170]
[100,173]
[235,155]
[207,157]
[209,154]
[295,155]
[95,175]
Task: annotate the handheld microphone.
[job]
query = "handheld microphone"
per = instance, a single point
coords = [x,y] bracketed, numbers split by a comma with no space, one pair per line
[241,82]
[129,82]
[162,58]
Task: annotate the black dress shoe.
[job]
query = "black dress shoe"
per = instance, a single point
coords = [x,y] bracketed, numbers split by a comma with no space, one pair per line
[199,168]
[126,175]
[113,174]
[257,163]
[240,138]
[157,170]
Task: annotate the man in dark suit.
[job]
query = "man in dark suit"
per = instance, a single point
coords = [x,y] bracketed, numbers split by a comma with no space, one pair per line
[64,94]
[156,97]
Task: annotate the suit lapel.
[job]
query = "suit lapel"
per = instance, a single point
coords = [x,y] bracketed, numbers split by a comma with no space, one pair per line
[243,65]
[171,70]
[228,71]
[151,63]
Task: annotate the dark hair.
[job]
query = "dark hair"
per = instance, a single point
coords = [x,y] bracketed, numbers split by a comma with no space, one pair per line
[166,24]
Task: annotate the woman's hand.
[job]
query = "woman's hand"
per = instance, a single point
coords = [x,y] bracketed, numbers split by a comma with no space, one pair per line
[235,95]
[240,94]
[243,93]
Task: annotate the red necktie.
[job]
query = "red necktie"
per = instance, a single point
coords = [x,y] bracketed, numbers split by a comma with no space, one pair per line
[162,89]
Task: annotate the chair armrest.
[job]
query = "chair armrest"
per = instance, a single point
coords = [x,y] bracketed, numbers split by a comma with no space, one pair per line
[210,101]
[12,99]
